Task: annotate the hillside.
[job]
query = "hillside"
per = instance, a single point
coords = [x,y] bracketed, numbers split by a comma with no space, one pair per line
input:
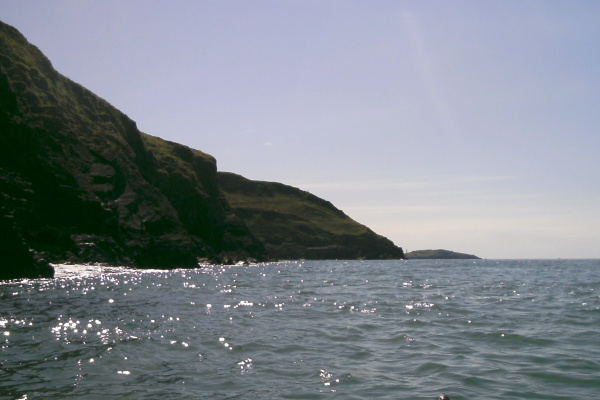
[439,255]
[296,224]
[80,183]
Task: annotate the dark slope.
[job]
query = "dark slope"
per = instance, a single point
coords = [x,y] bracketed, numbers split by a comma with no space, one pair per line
[295,224]
[439,255]
[80,182]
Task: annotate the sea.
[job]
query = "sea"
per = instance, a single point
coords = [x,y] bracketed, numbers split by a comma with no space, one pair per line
[402,329]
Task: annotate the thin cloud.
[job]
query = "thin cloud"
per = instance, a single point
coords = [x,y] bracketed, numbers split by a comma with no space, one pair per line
[424,63]
[412,183]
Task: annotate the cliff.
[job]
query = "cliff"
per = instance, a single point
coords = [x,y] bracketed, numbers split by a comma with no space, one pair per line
[294,224]
[79,182]
[439,255]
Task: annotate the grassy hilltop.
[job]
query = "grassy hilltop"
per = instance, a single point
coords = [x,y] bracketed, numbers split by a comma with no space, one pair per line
[296,224]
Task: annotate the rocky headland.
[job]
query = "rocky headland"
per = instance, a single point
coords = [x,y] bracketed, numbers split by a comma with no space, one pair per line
[80,183]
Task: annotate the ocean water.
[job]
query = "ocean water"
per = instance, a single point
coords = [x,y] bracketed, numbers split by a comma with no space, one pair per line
[476,329]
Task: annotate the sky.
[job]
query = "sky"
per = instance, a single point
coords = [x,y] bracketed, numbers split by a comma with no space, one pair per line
[471,126]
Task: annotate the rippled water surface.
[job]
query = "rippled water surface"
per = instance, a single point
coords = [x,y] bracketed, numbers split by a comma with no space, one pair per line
[306,330]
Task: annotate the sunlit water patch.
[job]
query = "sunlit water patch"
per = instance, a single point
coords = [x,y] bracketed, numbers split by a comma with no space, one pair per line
[304,330]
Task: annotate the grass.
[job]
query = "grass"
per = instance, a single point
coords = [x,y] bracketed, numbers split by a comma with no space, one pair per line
[291,221]
[302,208]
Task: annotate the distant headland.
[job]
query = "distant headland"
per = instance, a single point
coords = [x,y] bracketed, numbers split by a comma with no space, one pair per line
[439,254]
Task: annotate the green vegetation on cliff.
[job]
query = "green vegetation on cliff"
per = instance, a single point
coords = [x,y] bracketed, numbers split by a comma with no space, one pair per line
[296,224]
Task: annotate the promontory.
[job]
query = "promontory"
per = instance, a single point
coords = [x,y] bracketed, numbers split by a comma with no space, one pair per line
[80,183]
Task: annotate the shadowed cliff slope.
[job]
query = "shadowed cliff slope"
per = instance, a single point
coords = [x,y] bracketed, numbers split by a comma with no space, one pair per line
[295,224]
[79,182]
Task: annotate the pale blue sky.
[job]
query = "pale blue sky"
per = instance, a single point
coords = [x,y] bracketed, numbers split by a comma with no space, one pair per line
[466,125]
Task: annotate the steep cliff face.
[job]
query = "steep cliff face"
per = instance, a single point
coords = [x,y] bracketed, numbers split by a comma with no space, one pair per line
[294,224]
[80,182]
